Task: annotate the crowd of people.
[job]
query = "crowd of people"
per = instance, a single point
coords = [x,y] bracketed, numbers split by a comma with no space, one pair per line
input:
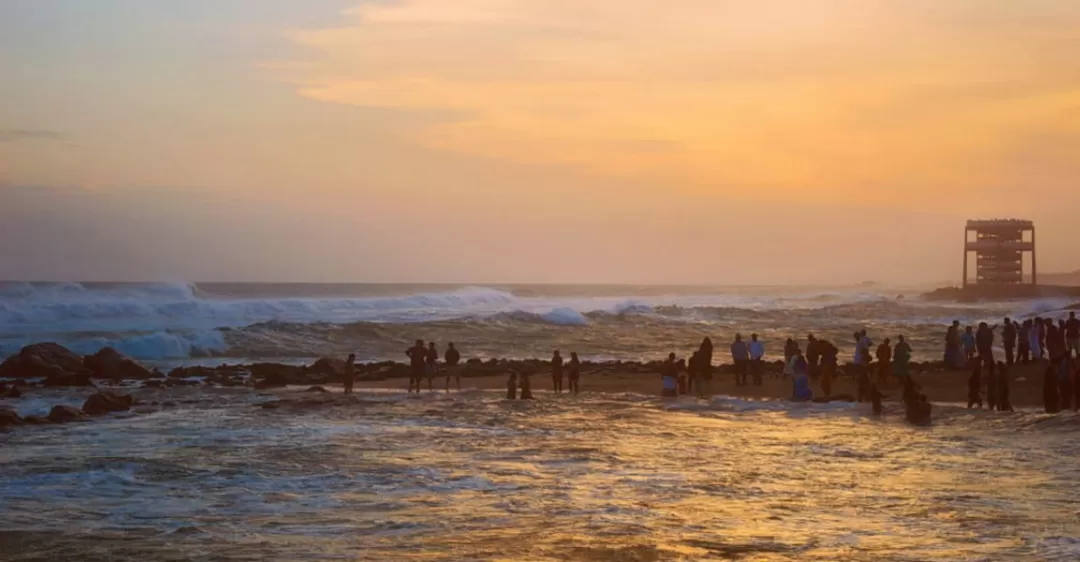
[972,347]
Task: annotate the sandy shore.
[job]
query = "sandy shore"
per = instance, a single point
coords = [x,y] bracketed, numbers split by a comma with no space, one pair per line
[941,386]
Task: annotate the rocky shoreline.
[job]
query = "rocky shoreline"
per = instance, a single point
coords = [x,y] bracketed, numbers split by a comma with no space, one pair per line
[49,365]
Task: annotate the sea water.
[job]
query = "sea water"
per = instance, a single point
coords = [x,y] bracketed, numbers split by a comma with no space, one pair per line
[174,323]
[599,477]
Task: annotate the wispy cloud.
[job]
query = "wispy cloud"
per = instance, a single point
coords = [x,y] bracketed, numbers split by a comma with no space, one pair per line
[849,97]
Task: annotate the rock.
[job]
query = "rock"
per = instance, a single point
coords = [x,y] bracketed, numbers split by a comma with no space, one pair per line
[329,368]
[62,414]
[12,392]
[317,389]
[275,375]
[42,360]
[36,420]
[153,384]
[9,417]
[79,379]
[191,372]
[102,403]
[111,364]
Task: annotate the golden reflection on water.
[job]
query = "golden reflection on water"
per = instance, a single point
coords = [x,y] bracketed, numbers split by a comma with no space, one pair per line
[473,477]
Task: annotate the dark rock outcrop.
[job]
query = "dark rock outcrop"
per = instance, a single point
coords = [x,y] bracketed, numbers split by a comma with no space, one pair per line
[64,414]
[46,360]
[276,375]
[103,402]
[75,379]
[9,417]
[36,420]
[111,364]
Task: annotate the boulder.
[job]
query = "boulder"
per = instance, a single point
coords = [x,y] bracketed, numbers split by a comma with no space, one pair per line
[62,414]
[36,420]
[111,364]
[191,372]
[42,360]
[9,417]
[273,375]
[102,403]
[327,366]
[75,379]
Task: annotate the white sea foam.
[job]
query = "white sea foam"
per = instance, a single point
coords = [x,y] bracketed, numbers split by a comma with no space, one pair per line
[177,320]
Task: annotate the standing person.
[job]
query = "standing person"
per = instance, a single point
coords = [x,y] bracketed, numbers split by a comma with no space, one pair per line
[556,372]
[704,381]
[511,385]
[452,357]
[813,357]
[884,357]
[692,382]
[706,350]
[789,366]
[669,377]
[954,356]
[1050,390]
[741,356]
[1076,384]
[800,378]
[1040,330]
[862,351]
[348,377]
[984,344]
[693,370]
[1072,335]
[967,339]
[1064,370]
[1055,342]
[829,360]
[790,348]
[1037,337]
[1004,404]
[975,387]
[1008,337]
[901,359]
[757,354]
[991,385]
[526,386]
[1023,340]
[431,359]
[574,373]
[417,359]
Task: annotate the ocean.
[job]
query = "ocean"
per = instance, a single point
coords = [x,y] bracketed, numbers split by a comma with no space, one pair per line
[599,477]
[204,473]
[168,324]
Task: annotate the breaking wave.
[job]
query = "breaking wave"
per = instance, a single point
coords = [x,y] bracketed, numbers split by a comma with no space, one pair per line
[183,320]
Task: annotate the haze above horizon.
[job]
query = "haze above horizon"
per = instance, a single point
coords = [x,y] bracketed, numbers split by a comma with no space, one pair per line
[704,142]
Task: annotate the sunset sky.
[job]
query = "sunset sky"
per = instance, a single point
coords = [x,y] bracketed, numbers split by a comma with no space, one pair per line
[692,141]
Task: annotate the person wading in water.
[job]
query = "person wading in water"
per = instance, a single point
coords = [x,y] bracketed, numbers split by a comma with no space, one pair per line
[431,359]
[574,374]
[556,372]
[669,376]
[417,359]
[349,376]
[452,359]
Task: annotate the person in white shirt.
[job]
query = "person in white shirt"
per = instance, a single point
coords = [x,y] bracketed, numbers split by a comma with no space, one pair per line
[757,353]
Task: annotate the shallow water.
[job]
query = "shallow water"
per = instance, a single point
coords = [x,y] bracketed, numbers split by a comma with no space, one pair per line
[600,477]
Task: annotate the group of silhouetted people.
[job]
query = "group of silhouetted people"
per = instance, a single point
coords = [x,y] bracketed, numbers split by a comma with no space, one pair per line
[424,363]
[570,370]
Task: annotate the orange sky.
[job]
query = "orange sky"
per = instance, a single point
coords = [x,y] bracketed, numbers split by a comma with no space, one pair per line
[592,134]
